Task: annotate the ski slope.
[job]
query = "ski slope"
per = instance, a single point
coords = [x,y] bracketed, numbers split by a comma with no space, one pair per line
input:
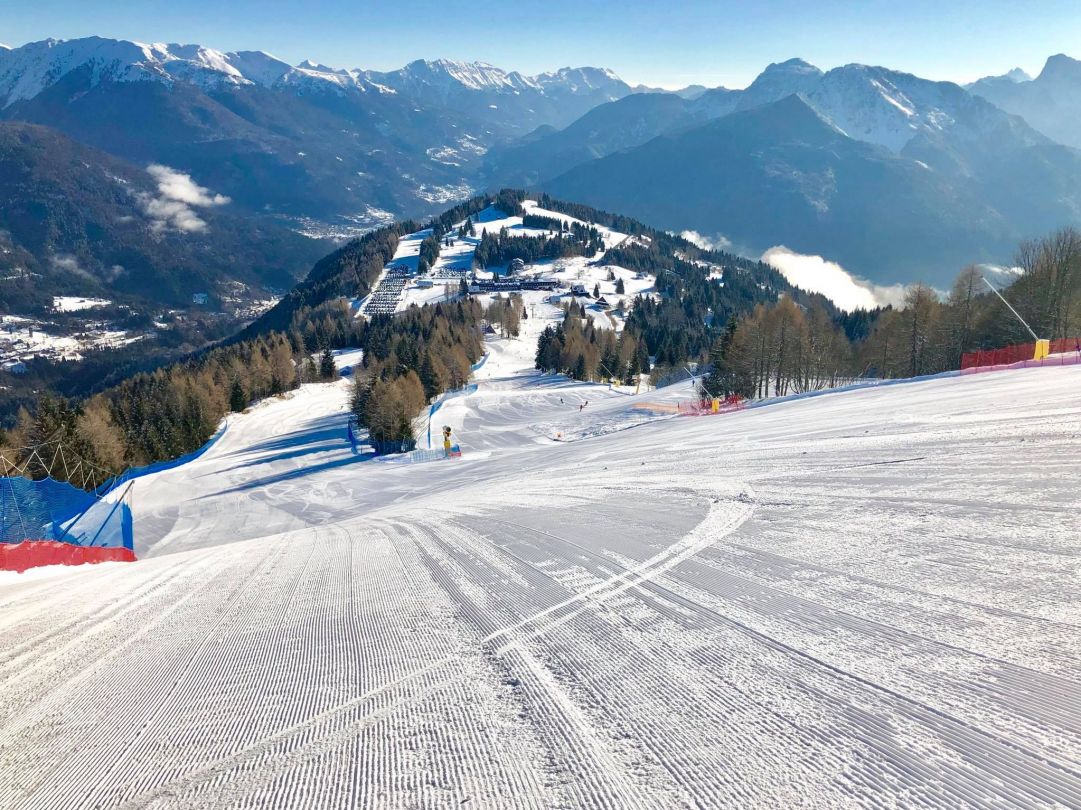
[864,599]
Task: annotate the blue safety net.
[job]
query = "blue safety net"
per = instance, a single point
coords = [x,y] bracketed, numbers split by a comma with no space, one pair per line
[54,510]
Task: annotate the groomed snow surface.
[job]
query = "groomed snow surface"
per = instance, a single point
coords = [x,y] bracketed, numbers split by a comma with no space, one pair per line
[864,599]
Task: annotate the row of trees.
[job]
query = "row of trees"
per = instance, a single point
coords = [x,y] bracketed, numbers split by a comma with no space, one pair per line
[496,250]
[578,348]
[162,414]
[506,314]
[429,252]
[784,348]
[409,359]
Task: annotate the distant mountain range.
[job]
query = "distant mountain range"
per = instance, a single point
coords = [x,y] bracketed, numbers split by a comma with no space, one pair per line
[895,176]
[347,148]
[1051,102]
[950,178]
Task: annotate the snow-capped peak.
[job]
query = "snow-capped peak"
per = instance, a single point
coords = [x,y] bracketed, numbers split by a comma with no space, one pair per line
[316,67]
[580,79]
[28,70]
[890,108]
[469,75]
[36,66]
[258,66]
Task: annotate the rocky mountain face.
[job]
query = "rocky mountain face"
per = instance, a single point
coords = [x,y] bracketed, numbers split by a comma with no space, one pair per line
[1051,102]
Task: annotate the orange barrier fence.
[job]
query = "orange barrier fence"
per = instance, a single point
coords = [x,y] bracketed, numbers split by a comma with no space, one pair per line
[697,407]
[1020,353]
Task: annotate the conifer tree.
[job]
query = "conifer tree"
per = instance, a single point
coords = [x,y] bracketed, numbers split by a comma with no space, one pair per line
[238,400]
[328,370]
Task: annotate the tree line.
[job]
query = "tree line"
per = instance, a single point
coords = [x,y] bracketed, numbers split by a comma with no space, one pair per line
[409,359]
[495,250]
[783,348]
[580,349]
[158,415]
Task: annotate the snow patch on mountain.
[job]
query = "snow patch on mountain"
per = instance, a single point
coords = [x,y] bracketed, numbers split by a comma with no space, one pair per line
[258,66]
[881,106]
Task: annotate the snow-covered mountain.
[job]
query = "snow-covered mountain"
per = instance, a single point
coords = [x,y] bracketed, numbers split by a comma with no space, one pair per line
[777,81]
[968,177]
[346,147]
[890,108]
[27,71]
[1051,102]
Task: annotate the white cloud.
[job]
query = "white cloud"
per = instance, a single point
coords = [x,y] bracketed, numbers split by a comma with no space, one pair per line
[718,242]
[1000,273]
[816,274]
[178,197]
[67,263]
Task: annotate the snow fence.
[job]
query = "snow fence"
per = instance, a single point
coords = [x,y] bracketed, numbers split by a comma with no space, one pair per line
[1061,352]
[49,522]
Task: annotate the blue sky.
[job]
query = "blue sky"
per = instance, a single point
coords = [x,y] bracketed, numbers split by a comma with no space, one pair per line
[669,44]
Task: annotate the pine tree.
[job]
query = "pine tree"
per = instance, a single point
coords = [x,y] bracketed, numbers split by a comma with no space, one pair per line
[597,290]
[580,368]
[620,288]
[428,378]
[328,370]
[238,400]
[643,357]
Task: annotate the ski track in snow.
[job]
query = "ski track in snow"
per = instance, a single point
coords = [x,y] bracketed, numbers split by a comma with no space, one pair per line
[866,599]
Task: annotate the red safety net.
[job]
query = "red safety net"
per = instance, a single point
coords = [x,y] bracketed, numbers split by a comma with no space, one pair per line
[704,407]
[1022,353]
[32,553]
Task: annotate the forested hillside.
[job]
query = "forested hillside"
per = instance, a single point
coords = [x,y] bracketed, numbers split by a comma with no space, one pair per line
[758,334]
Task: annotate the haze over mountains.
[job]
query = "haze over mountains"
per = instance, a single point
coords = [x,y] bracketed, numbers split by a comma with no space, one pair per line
[1051,102]
[896,177]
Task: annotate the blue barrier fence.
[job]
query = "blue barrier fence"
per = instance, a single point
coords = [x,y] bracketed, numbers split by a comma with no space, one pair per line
[54,510]
[458,392]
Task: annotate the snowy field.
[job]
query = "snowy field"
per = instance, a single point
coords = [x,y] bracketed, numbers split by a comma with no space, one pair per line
[865,599]
[73,303]
[456,261]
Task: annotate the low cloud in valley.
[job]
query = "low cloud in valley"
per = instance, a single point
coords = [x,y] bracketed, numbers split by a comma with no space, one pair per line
[816,274]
